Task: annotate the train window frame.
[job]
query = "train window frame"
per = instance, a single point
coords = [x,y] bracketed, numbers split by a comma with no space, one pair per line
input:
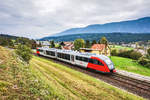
[80,58]
[51,53]
[96,63]
[40,50]
[85,59]
[77,58]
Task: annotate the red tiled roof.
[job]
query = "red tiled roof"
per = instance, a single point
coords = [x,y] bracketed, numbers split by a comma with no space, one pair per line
[68,46]
[98,46]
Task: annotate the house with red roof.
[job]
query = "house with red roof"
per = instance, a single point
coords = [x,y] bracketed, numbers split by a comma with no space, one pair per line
[100,49]
[68,46]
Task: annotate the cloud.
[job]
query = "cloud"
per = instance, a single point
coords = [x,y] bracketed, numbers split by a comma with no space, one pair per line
[39,18]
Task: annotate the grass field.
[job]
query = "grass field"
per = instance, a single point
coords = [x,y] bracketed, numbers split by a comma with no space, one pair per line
[17,82]
[73,85]
[130,65]
[118,47]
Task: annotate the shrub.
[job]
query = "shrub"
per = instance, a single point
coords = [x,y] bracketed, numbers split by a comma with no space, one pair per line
[135,55]
[24,52]
[128,54]
[114,52]
[125,53]
[148,64]
[143,61]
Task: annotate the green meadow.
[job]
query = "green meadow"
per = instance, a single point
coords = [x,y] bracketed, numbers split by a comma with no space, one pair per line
[130,65]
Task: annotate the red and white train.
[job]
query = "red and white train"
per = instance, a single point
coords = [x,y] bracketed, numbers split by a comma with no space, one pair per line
[100,63]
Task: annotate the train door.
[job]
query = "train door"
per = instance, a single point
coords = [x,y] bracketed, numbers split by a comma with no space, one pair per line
[72,59]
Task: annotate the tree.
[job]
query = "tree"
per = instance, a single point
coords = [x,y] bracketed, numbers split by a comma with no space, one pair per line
[103,40]
[79,43]
[39,44]
[62,43]
[94,42]
[24,52]
[33,44]
[11,43]
[52,44]
[87,44]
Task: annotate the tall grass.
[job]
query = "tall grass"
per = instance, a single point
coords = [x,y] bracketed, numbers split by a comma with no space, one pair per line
[73,85]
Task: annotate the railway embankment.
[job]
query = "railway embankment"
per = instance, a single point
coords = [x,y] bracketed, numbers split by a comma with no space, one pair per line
[134,75]
[129,84]
[72,84]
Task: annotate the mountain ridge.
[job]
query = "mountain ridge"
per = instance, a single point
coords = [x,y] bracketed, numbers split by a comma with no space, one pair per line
[111,37]
[141,25]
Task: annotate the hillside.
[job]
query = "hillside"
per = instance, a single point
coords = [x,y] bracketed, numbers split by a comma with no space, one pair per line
[46,80]
[141,25]
[8,36]
[18,82]
[112,37]
[74,85]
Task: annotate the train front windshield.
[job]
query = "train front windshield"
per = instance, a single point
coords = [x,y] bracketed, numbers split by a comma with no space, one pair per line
[109,63]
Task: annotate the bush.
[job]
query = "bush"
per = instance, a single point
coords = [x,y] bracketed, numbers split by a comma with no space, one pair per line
[114,52]
[135,55]
[148,65]
[24,52]
[144,61]
[125,53]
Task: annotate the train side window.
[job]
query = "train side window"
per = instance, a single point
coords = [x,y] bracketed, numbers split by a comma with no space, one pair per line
[85,59]
[94,61]
[76,57]
[39,50]
[52,53]
[68,57]
[99,63]
[63,56]
[90,60]
[60,55]
[57,54]
[80,58]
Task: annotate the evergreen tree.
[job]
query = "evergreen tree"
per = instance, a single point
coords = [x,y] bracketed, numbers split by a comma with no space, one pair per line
[87,44]
[94,42]
[52,44]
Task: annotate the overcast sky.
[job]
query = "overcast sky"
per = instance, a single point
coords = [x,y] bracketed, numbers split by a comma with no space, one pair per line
[39,18]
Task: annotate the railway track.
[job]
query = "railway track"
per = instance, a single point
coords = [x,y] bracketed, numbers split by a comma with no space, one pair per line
[132,85]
